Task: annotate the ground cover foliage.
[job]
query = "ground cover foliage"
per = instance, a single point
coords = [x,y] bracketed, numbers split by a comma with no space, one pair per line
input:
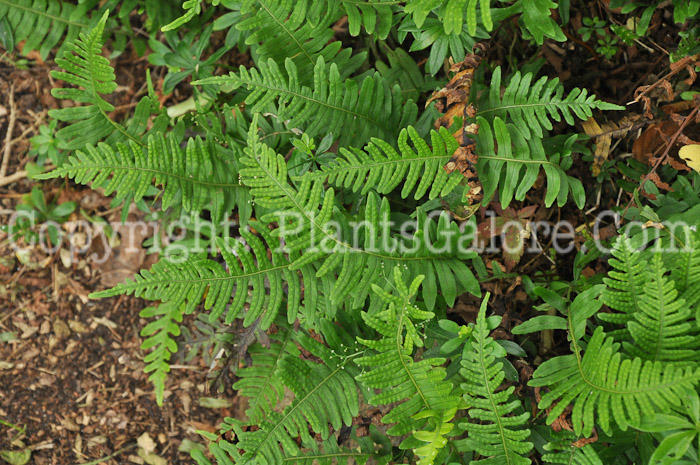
[356,341]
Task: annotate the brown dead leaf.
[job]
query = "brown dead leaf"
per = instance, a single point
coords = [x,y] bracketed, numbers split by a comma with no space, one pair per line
[453,101]
[604,134]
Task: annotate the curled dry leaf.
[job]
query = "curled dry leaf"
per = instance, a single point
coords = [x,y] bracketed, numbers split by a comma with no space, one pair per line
[453,101]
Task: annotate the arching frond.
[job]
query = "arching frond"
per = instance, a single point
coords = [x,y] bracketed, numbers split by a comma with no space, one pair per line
[332,106]
[532,106]
[193,178]
[380,167]
[93,77]
[601,384]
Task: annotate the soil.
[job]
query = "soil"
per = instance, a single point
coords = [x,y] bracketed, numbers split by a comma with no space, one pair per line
[72,386]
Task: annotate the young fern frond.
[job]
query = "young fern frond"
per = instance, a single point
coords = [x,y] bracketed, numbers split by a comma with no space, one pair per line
[193,178]
[259,381]
[157,336]
[494,432]
[600,384]
[332,106]
[324,395]
[563,451]
[380,167]
[41,24]
[420,386]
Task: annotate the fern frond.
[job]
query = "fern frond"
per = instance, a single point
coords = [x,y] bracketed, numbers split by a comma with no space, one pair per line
[532,106]
[41,24]
[563,451]
[195,278]
[494,431]
[380,167]
[601,384]
[325,395]
[658,323]
[516,162]
[157,336]
[300,31]
[93,77]
[419,387]
[259,381]
[625,282]
[332,106]
[662,327]
[194,178]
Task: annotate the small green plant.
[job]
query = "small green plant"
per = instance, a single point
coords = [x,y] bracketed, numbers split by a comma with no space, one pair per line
[34,213]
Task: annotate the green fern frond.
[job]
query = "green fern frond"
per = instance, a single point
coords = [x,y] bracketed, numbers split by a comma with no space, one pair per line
[516,162]
[300,31]
[662,328]
[563,451]
[332,106]
[41,24]
[259,381]
[195,278]
[194,178]
[376,16]
[658,323]
[436,439]
[325,395]
[93,76]
[380,167]
[157,336]
[601,384]
[625,282]
[494,432]
[418,387]
[531,107]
